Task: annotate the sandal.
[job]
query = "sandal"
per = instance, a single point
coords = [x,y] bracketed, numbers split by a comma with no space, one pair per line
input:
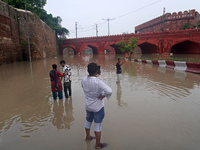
[102,145]
[91,138]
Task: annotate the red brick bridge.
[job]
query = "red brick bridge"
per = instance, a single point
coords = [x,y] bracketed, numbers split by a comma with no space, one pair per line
[177,42]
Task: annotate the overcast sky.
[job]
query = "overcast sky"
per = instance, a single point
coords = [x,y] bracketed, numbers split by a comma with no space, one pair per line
[90,12]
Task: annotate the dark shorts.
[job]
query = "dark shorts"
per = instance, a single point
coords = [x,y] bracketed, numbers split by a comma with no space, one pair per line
[96,116]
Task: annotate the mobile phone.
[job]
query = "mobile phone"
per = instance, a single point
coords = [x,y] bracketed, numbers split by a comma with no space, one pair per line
[99,70]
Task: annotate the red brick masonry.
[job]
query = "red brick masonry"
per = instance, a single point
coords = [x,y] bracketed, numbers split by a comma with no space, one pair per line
[13,36]
[173,21]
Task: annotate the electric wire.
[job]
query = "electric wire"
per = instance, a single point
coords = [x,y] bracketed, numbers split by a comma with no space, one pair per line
[91,27]
[138,9]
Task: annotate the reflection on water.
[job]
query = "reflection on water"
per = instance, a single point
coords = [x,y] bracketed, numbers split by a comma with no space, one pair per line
[63,114]
[152,107]
[119,96]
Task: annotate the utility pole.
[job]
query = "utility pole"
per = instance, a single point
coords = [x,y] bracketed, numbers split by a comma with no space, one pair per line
[163,29]
[96,30]
[76,23]
[189,19]
[108,31]
[27,30]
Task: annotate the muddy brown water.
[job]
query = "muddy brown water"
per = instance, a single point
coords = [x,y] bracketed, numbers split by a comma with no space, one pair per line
[152,109]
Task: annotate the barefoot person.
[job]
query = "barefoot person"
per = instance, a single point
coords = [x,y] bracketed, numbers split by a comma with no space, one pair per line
[95,91]
[56,85]
[119,69]
[67,78]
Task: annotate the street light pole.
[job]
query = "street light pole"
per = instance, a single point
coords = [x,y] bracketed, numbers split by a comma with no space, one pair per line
[76,35]
[109,31]
[189,19]
[96,30]
[163,29]
[27,30]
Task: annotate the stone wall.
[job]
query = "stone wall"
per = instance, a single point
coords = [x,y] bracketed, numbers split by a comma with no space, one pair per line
[13,36]
[174,21]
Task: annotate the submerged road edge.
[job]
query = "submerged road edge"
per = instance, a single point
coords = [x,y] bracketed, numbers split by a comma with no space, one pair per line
[192,67]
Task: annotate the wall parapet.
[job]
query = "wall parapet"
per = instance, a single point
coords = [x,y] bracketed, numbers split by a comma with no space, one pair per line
[174,32]
[168,17]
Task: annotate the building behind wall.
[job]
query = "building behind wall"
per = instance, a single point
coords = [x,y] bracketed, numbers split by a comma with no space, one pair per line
[174,21]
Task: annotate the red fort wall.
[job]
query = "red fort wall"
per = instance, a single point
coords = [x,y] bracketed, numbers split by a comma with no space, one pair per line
[13,39]
[173,21]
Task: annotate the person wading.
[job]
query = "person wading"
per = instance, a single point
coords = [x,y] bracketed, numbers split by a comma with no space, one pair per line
[95,91]
[67,78]
[119,69]
[56,86]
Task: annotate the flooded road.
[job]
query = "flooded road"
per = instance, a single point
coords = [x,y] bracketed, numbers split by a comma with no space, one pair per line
[152,108]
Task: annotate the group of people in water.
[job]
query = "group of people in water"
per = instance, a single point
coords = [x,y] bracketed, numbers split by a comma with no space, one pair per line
[56,81]
[95,91]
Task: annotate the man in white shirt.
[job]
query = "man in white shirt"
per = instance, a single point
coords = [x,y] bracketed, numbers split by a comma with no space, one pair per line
[67,78]
[95,91]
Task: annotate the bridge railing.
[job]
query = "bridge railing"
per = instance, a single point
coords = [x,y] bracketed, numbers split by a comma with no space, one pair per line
[147,35]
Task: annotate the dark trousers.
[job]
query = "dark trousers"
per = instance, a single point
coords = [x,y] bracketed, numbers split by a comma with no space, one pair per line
[67,87]
[59,94]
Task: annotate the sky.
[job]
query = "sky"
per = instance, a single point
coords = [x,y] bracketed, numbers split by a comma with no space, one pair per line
[126,14]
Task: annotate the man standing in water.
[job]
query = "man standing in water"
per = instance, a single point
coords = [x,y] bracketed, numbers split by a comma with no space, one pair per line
[56,85]
[95,91]
[119,69]
[67,78]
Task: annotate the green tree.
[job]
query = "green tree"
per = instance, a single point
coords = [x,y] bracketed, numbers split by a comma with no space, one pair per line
[128,47]
[186,26]
[197,26]
[30,3]
[37,3]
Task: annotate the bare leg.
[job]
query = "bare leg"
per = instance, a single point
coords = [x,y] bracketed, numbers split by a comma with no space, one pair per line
[98,138]
[87,131]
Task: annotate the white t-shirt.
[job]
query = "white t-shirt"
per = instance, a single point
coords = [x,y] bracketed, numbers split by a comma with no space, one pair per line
[93,87]
[67,72]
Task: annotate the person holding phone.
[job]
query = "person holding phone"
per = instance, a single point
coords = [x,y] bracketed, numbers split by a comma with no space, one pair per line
[67,78]
[95,91]
[99,71]
[119,69]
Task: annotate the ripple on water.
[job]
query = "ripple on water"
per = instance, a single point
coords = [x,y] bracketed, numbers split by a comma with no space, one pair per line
[150,103]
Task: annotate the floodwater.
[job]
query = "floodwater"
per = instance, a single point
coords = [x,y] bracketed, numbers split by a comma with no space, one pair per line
[152,109]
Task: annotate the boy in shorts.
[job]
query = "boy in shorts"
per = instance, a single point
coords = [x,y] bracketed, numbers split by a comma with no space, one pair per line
[95,91]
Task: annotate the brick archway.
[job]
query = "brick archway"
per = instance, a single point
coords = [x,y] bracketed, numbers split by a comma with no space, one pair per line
[94,49]
[148,42]
[186,47]
[117,50]
[68,46]
[68,49]
[148,48]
